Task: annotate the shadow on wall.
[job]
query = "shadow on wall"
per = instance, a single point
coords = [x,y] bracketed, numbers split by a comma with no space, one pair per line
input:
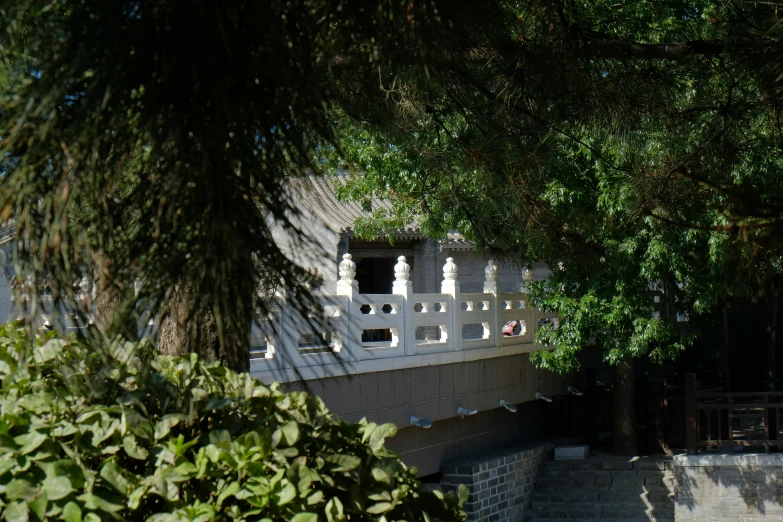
[455,438]
[727,485]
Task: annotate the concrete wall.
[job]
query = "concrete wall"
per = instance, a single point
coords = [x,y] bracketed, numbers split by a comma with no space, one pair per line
[435,392]
[500,484]
[728,487]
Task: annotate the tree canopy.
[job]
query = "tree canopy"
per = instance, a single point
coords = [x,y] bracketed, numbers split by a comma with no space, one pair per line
[175,126]
[630,145]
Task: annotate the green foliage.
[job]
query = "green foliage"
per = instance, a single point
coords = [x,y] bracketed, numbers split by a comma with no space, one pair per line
[633,145]
[90,434]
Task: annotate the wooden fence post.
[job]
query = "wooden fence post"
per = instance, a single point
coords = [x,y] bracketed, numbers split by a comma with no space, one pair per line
[691,414]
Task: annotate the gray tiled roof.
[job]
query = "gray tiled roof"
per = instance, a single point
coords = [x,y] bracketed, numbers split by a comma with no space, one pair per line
[317,195]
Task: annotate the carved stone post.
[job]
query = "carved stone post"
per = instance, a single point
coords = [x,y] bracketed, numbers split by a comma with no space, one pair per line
[491,287]
[348,287]
[404,287]
[450,286]
[527,277]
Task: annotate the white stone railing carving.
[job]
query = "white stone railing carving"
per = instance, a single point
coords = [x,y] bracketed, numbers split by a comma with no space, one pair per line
[377,332]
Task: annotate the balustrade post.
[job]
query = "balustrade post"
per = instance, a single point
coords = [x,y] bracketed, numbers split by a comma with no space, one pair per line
[691,414]
[348,287]
[404,287]
[491,287]
[527,278]
[450,286]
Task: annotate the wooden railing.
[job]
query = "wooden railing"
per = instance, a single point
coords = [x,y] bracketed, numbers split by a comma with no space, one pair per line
[730,419]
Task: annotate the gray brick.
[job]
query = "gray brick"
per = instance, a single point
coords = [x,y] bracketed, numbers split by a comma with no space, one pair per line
[402,385]
[385,389]
[446,380]
[369,391]
[432,382]
[352,396]
[418,390]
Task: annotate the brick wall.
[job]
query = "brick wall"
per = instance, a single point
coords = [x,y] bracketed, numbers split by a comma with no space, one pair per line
[728,487]
[501,484]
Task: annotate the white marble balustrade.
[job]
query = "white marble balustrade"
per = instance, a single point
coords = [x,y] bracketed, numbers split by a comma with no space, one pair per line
[377,332]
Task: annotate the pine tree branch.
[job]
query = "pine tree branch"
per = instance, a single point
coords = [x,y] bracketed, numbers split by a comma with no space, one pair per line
[595,48]
[667,51]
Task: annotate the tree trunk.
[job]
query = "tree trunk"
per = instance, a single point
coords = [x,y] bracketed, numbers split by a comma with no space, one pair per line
[110,318]
[624,433]
[185,325]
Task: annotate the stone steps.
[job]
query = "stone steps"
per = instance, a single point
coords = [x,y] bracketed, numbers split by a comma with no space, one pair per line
[603,489]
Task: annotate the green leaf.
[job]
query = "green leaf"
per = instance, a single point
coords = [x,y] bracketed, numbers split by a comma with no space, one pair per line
[30,441]
[230,490]
[49,351]
[119,479]
[380,507]
[305,517]
[334,509]
[7,462]
[16,512]
[132,448]
[380,475]
[290,431]
[344,462]
[39,505]
[143,428]
[462,494]
[315,498]
[380,495]
[220,438]
[286,495]
[380,434]
[96,501]
[72,512]
[20,489]
[57,487]
[134,499]
[164,425]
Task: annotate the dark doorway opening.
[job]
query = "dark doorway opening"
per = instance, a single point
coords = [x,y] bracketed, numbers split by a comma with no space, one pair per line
[375,275]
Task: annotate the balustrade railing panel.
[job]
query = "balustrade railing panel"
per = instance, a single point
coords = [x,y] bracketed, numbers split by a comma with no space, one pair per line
[477,315]
[296,341]
[365,327]
[381,320]
[513,308]
[432,313]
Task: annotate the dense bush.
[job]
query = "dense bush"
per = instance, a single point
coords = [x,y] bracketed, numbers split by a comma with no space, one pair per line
[126,434]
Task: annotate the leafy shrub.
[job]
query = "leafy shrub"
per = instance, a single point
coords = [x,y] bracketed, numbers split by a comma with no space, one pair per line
[127,434]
